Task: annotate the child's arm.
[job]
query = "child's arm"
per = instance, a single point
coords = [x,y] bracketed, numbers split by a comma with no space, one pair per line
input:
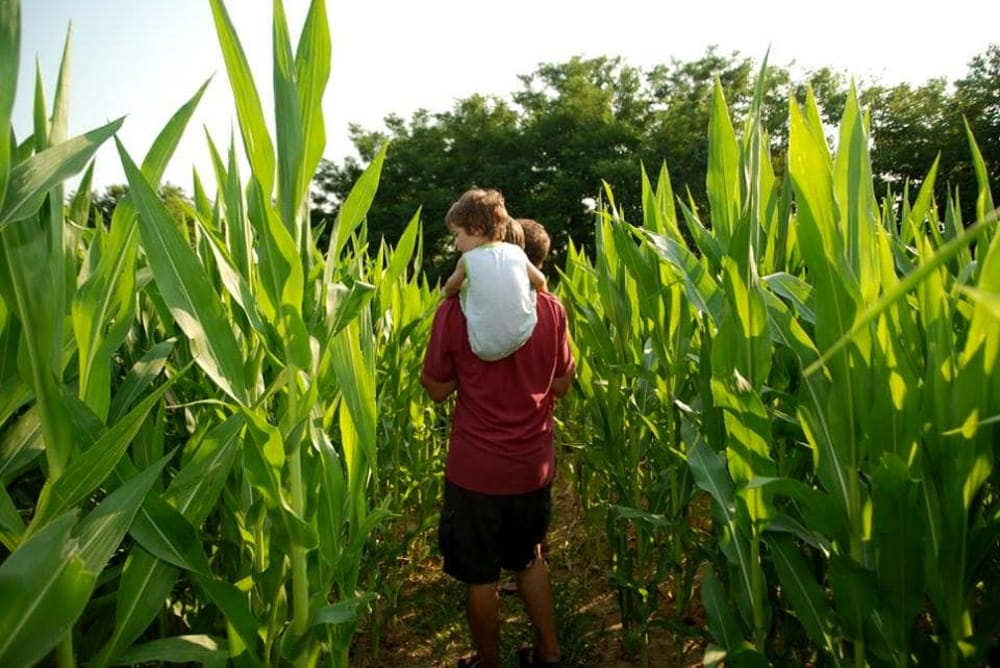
[537,278]
[454,283]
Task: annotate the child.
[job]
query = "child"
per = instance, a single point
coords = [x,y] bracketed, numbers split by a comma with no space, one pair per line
[493,278]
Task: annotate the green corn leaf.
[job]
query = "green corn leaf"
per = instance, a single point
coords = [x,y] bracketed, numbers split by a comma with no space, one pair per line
[146,581]
[189,649]
[855,590]
[819,235]
[165,533]
[185,288]
[235,282]
[288,122]
[746,334]
[40,114]
[195,489]
[898,536]
[344,611]
[984,199]
[102,311]
[312,64]
[354,209]
[86,471]
[805,594]
[892,296]
[166,142]
[705,241]
[343,304]
[401,257]
[722,181]
[102,530]
[256,140]
[235,606]
[10,52]
[709,472]
[11,523]
[60,572]
[144,586]
[700,288]
[278,263]
[25,249]
[857,206]
[44,585]
[354,367]
[722,624]
[797,291]
[79,207]
[21,443]
[60,103]
[139,377]
[31,180]
[986,296]
[330,513]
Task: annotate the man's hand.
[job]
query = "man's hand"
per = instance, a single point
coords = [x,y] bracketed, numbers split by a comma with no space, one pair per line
[561,385]
[436,390]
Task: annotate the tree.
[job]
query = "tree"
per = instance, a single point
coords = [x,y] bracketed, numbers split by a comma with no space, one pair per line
[977,100]
[573,126]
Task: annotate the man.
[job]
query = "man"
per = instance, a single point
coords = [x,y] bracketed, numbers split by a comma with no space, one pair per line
[499,470]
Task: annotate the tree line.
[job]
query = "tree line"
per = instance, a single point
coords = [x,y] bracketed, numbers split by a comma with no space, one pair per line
[571,126]
[550,145]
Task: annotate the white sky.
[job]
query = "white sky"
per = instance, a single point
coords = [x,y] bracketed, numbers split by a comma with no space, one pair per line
[145,58]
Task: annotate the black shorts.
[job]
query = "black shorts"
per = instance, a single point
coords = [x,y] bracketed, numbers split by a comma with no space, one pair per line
[479,534]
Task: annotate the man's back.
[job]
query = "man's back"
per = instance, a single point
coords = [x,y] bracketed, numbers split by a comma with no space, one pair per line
[501,438]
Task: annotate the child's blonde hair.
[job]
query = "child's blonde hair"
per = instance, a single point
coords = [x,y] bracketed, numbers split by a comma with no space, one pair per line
[481,209]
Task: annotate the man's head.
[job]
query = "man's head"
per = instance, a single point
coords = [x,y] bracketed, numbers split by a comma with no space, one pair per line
[515,234]
[479,212]
[536,241]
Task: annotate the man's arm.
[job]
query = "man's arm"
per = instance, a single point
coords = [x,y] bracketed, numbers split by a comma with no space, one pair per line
[537,278]
[561,385]
[436,390]
[454,283]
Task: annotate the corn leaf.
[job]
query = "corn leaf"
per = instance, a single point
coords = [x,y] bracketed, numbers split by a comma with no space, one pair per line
[312,65]
[10,52]
[61,570]
[288,122]
[253,129]
[25,250]
[354,208]
[722,623]
[805,594]
[185,288]
[722,180]
[189,649]
[31,180]
[88,470]
[139,377]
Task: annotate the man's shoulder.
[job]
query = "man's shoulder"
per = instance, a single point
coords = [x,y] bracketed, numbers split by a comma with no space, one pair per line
[549,300]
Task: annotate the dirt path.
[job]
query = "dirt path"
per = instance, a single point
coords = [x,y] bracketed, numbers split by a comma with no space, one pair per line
[429,630]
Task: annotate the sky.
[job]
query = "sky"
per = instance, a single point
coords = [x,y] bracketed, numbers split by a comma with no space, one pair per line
[143,59]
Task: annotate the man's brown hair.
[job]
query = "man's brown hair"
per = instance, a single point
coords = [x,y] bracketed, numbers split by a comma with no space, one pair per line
[481,209]
[536,241]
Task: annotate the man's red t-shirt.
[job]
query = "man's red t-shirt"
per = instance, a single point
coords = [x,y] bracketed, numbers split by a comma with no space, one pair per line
[501,430]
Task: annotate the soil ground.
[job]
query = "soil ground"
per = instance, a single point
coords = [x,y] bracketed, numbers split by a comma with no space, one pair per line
[428,629]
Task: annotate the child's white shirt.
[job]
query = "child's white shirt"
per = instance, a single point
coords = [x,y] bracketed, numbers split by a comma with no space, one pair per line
[497,299]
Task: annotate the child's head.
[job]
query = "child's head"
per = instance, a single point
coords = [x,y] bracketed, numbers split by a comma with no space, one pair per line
[479,212]
[536,241]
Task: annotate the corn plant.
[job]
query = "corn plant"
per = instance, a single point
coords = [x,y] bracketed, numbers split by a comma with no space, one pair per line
[633,335]
[275,425]
[870,339]
[71,488]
